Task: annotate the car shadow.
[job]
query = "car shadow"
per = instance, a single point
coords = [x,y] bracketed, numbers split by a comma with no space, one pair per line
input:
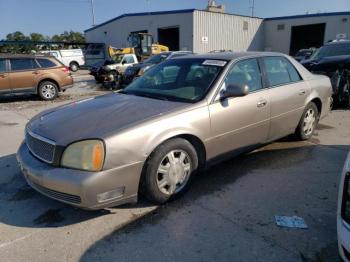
[269,161]
[21,206]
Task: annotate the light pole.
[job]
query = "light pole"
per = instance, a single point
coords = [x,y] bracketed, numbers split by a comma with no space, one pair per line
[92,12]
[253,7]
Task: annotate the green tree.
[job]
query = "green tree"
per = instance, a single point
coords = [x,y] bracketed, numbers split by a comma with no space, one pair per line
[36,37]
[71,36]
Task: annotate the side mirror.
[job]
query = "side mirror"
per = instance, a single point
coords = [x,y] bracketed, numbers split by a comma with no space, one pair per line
[124,62]
[234,90]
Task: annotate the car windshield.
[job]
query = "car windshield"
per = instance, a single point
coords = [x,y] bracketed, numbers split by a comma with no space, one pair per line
[184,80]
[332,50]
[118,58]
[157,58]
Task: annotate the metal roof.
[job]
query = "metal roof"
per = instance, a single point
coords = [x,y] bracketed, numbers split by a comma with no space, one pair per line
[307,16]
[142,14]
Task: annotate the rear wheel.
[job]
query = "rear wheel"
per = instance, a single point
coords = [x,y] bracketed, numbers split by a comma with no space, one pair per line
[48,90]
[169,171]
[74,66]
[308,122]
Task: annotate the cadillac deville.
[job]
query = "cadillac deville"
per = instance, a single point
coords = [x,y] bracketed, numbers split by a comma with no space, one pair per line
[155,135]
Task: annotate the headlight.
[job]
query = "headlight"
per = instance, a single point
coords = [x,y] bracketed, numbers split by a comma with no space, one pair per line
[86,155]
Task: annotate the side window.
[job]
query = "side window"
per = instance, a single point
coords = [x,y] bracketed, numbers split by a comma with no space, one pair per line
[129,59]
[246,72]
[45,63]
[2,65]
[23,64]
[293,73]
[279,71]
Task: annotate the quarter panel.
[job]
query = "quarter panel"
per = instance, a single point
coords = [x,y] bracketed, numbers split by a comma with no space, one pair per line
[287,106]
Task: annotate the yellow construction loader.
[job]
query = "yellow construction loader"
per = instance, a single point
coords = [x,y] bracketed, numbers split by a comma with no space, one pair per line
[141,44]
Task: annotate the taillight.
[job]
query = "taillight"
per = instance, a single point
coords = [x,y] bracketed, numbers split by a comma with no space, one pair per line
[65,69]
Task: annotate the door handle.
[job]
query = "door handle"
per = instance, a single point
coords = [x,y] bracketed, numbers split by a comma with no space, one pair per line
[302,92]
[3,75]
[35,72]
[262,103]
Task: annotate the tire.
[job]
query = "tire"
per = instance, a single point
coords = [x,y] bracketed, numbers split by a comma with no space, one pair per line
[160,181]
[308,122]
[98,80]
[74,66]
[48,90]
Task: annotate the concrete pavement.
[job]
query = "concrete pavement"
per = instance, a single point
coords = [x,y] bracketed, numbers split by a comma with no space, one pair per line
[226,216]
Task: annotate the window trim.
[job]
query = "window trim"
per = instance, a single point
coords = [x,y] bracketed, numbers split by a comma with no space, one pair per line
[43,67]
[22,70]
[288,61]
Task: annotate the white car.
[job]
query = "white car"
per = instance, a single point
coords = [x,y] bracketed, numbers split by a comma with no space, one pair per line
[72,58]
[343,214]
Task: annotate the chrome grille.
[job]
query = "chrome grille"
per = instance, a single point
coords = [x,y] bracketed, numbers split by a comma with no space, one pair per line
[41,147]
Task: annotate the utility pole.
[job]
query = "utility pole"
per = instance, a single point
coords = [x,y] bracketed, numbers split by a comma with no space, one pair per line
[253,7]
[92,12]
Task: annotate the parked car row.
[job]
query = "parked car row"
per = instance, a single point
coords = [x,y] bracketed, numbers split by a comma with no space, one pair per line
[123,69]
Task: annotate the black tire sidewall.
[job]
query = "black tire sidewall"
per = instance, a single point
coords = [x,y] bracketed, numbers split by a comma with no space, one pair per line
[74,66]
[46,83]
[149,187]
[300,131]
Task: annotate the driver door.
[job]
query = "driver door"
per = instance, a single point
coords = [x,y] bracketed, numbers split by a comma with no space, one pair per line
[240,122]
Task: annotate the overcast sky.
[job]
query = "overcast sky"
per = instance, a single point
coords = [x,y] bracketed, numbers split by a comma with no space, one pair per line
[54,16]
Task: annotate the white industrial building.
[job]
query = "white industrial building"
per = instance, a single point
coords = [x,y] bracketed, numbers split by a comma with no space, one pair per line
[203,31]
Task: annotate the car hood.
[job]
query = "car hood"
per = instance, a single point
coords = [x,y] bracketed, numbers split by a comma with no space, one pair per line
[98,117]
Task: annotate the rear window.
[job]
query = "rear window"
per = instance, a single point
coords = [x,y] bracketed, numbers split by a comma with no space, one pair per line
[45,63]
[23,64]
[2,65]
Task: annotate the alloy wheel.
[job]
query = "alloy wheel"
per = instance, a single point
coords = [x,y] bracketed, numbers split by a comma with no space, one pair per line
[309,122]
[48,91]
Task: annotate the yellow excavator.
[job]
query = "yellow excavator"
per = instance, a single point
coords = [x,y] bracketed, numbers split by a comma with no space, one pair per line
[141,44]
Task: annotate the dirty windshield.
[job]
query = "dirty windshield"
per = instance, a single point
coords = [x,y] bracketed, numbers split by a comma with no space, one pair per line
[186,80]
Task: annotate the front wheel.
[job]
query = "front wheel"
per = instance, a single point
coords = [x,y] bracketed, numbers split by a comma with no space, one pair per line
[308,122]
[169,171]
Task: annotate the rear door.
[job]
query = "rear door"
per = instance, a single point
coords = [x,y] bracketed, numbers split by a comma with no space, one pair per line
[23,74]
[287,92]
[240,122]
[4,77]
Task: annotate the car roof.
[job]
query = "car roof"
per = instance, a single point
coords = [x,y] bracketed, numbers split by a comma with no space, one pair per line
[232,55]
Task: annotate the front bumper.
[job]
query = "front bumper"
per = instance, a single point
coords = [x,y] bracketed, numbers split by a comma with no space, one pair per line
[81,188]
